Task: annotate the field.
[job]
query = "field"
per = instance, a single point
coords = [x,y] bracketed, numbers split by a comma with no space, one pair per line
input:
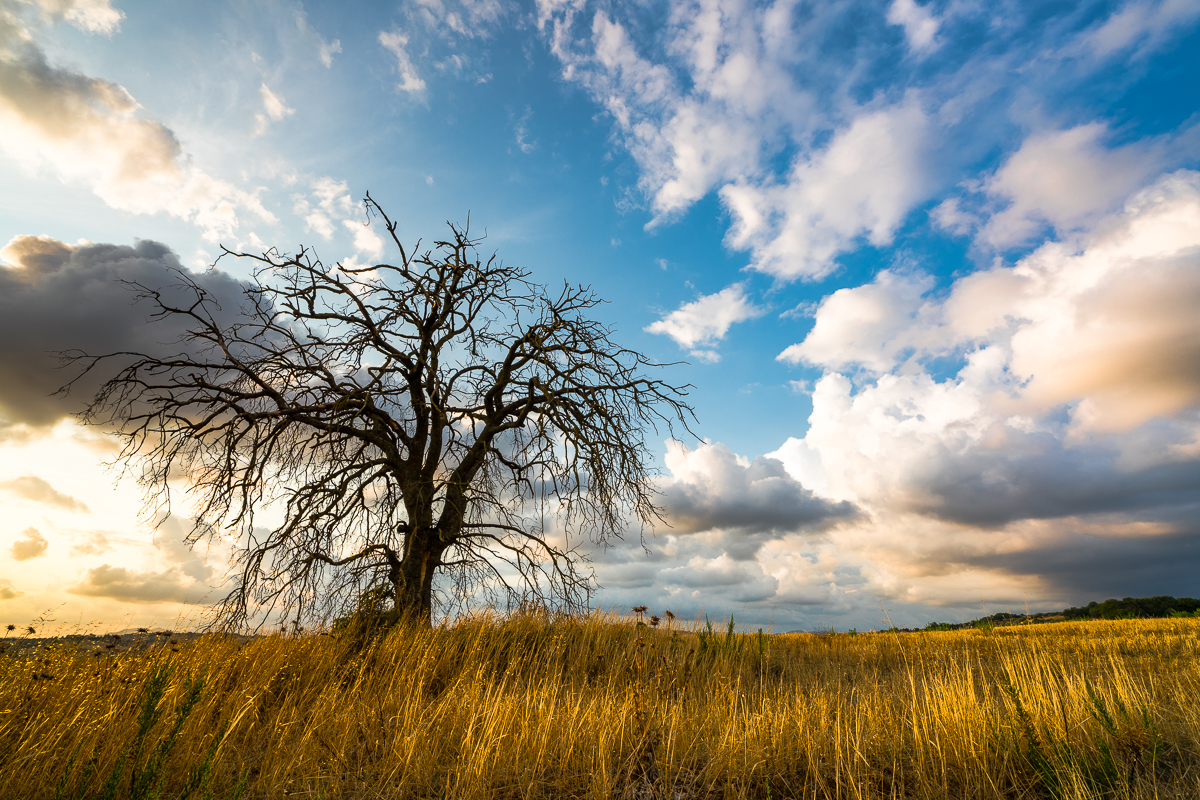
[537,707]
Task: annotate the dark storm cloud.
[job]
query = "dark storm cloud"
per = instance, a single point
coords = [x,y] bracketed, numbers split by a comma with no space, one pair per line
[759,500]
[1040,477]
[56,297]
[1084,567]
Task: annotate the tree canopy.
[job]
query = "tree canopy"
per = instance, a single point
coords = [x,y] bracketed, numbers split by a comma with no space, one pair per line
[438,430]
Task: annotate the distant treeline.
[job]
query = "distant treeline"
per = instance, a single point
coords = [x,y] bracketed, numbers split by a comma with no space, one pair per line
[1134,608]
[1127,608]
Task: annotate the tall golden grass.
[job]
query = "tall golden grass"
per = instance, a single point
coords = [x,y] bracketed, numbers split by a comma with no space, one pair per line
[538,707]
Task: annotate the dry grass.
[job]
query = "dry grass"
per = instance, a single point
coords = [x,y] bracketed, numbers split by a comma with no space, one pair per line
[532,707]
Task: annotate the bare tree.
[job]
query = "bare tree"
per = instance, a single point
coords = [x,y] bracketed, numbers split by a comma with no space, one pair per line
[443,416]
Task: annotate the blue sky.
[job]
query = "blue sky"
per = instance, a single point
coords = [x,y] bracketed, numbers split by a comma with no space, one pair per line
[933,266]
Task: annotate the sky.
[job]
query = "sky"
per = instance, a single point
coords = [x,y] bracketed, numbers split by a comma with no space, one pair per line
[933,269]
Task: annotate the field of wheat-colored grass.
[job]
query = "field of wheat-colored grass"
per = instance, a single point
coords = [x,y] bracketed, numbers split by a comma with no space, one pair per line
[537,707]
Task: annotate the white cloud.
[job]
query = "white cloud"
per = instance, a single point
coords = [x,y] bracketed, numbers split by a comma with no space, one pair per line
[90,16]
[131,586]
[328,206]
[724,99]
[396,42]
[1146,24]
[862,185]
[1106,323]
[88,130]
[366,241]
[524,144]
[713,488]
[866,325]
[706,320]
[466,18]
[1066,179]
[949,215]
[274,110]
[920,26]
[328,200]
[31,487]
[818,143]
[32,546]
[1069,413]
[326,51]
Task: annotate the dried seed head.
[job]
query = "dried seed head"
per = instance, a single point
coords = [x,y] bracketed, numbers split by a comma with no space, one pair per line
[653,622]
[668,614]
[639,609]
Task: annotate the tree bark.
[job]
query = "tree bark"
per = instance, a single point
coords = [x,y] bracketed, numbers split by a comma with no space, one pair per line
[414,589]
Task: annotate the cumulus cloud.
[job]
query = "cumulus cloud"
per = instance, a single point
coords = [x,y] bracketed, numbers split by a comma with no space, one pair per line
[8,591]
[738,532]
[684,142]
[186,580]
[327,49]
[867,325]
[712,488]
[920,26]
[130,586]
[1105,324]
[31,487]
[818,143]
[57,297]
[1067,419]
[969,420]
[1065,179]
[862,185]
[397,42]
[705,321]
[367,242]
[32,546]
[736,86]
[88,129]
[742,582]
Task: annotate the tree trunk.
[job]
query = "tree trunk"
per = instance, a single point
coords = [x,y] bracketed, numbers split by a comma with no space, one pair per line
[414,587]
